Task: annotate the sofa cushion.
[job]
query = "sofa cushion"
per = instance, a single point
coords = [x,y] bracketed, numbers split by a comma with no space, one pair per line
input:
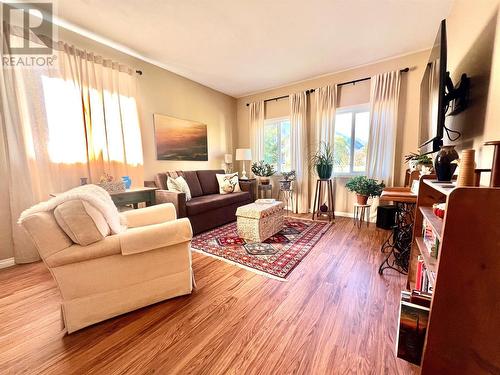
[191,178]
[161,179]
[209,202]
[81,221]
[180,185]
[228,183]
[208,181]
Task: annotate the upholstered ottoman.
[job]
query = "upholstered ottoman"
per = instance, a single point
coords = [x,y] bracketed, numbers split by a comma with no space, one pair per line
[259,221]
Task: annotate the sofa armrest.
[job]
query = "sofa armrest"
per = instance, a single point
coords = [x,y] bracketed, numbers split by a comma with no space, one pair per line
[249,186]
[176,198]
[157,214]
[110,245]
[152,237]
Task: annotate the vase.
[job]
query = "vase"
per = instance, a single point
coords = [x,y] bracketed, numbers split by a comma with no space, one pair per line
[362,199]
[324,171]
[127,182]
[443,163]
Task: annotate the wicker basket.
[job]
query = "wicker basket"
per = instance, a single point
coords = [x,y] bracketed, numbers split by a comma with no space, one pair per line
[113,186]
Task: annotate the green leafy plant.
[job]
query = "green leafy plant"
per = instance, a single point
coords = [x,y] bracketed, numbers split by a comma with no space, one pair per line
[323,160]
[365,186]
[323,156]
[263,169]
[420,159]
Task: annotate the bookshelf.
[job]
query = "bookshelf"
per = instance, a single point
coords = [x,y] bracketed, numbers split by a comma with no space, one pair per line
[463,333]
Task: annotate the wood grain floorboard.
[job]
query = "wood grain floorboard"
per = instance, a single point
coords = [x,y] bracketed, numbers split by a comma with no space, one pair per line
[334,315]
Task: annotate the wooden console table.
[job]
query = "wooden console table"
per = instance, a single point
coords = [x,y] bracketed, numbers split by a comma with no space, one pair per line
[135,196]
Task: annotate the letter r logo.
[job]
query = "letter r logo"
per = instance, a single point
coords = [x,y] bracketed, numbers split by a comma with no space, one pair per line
[31,20]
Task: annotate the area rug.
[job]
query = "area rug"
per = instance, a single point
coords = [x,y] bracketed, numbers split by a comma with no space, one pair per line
[276,257]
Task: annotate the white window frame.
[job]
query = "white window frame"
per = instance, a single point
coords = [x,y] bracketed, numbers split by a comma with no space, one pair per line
[273,120]
[354,109]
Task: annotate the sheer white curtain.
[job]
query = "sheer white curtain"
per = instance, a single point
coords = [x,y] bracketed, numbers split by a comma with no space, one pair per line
[299,148]
[326,102]
[384,102]
[324,131]
[75,119]
[256,122]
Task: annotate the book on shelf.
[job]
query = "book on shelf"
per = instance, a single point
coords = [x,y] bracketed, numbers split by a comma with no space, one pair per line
[412,328]
[423,282]
[430,239]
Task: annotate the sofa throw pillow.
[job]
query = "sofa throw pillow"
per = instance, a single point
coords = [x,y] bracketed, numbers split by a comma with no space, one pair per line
[228,183]
[81,221]
[179,184]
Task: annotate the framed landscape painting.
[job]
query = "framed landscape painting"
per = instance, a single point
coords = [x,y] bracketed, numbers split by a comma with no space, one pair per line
[178,139]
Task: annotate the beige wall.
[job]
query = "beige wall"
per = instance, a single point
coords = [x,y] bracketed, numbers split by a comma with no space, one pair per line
[474,48]
[350,95]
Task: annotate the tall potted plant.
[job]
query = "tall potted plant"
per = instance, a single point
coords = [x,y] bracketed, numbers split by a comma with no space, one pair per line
[364,188]
[263,170]
[322,160]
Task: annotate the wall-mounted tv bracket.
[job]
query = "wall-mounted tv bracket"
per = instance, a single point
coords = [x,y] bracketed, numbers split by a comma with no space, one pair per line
[457,97]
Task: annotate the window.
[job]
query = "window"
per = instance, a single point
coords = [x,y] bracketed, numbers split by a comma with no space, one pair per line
[277,143]
[352,127]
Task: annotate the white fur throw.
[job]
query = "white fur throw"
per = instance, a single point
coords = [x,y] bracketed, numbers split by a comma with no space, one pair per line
[93,194]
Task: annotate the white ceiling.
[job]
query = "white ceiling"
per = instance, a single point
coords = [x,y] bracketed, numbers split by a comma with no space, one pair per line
[243,46]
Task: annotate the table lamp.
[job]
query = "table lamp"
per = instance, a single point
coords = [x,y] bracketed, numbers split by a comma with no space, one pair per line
[243,154]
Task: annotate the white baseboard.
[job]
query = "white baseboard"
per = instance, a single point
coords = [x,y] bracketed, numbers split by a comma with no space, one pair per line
[9,262]
[344,214]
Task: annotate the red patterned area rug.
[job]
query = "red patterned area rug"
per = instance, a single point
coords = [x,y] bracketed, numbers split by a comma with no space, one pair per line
[276,257]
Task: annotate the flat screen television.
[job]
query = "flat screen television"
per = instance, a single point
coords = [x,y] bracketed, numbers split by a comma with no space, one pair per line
[432,97]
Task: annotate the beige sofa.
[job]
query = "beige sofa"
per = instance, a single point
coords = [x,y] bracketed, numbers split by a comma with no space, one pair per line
[147,263]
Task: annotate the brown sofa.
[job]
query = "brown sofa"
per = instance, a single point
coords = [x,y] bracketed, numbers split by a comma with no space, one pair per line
[207,209]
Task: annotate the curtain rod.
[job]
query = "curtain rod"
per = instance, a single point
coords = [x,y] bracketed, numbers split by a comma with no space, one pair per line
[339,84]
[367,78]
[283,97]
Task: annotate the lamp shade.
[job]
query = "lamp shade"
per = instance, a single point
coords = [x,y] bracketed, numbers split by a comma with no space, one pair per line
[243,154]
[228,158]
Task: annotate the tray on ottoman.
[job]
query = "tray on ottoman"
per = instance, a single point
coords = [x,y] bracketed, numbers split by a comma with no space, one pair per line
[258,221]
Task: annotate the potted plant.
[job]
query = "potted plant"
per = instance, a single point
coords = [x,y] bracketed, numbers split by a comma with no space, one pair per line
[364,188]
[263,170]
[322,160]
[416,162]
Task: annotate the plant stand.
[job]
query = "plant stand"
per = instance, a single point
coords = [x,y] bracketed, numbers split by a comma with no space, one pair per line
[324,183]
[286,195]
[262,191]
[361,212]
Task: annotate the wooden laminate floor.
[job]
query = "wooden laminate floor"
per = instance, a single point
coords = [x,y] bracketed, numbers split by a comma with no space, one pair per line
[334,315]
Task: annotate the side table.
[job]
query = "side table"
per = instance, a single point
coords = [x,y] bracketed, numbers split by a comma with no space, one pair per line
[361,213]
